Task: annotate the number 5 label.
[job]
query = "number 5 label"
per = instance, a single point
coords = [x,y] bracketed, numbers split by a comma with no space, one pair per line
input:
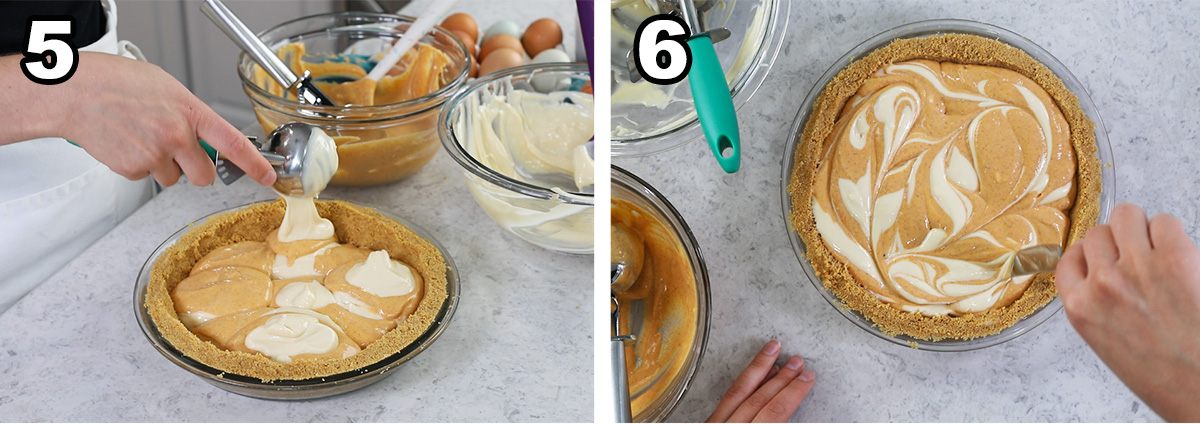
[50,55]
[662,59]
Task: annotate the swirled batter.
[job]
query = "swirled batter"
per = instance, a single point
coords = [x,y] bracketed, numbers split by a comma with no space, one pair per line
[935,175]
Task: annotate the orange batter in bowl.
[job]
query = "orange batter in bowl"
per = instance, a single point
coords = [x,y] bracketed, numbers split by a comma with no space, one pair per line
[659,308]
[375,145]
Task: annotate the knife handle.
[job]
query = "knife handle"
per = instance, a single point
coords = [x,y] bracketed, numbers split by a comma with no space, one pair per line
[714,106]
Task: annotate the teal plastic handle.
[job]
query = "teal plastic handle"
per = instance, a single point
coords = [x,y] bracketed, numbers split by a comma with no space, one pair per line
[212,153]
[713,104]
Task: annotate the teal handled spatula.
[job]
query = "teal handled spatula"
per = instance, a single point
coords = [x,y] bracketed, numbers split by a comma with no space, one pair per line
[710,92]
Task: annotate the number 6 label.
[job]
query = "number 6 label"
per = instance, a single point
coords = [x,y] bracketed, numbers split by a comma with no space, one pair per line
[660,49]
[50,55]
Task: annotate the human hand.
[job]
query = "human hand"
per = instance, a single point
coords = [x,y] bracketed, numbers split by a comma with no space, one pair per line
[136,119]
[764,392]
[1131,289]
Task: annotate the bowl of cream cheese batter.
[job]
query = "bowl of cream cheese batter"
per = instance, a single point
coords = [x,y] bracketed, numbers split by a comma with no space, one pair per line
[299,303]
[521,136]
[648,118]
[913,298]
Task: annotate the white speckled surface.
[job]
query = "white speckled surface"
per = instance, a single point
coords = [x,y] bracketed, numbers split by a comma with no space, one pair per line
[72,351]
[1137,60]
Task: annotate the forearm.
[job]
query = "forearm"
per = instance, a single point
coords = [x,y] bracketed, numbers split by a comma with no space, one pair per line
[27,109]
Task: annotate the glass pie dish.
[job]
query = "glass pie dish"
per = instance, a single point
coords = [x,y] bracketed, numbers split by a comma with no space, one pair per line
[927,29]
[294,389]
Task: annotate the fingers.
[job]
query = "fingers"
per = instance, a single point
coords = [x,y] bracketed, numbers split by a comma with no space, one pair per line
[1166,232]
[1099,246]
[196,164]
[1071,270]
[166,173]
[746,383]
[774,370]
[784,404]
[762,397]
[231,143]
[1130,230]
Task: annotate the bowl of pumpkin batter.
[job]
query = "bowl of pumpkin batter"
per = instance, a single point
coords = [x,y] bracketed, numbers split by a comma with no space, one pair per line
[207,263]
[384,130]
[921,161]
[666,308]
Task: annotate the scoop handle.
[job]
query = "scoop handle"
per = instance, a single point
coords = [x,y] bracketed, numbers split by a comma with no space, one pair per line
[714,106]
[621,407]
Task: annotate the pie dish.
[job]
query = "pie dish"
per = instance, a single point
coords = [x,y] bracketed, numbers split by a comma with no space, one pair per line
[958,42]
[257,375]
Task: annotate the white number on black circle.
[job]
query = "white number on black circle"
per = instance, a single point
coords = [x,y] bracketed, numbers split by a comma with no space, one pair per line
[50,56]
[660,49]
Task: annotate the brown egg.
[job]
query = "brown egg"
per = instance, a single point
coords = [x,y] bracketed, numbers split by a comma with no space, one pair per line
[500,41]
[466,39]
[541,35]
[462,22]
[501,59]
[474,69]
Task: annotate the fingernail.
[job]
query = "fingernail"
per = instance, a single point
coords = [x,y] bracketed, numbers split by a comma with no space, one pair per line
[795,363]
[807,375]
[771,348]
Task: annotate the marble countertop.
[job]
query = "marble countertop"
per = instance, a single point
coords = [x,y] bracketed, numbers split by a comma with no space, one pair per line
[72,351]
[1136,59]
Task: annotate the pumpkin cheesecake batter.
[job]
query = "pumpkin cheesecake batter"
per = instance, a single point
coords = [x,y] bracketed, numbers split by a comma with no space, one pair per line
[272,292]
[935,175]
[665,295]
[925,166]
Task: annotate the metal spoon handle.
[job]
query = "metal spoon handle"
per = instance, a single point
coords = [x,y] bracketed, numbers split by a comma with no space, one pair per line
[250,43]
[1040,258]
[622,411]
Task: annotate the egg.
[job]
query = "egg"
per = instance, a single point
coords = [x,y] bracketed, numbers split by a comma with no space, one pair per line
[474,72]
[551,56]
[499,60]
[541,35]
[466,39]
[462,22]
[502,27]
[501,41]
[548,82]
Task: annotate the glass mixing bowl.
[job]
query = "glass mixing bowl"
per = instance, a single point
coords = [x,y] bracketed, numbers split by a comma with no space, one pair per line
[294,389]
[648,118]
[376,144]
[545,210]
[630,188]
[926,29]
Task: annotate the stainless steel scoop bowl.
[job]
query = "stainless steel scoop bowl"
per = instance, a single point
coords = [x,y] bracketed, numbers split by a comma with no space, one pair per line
[286,149]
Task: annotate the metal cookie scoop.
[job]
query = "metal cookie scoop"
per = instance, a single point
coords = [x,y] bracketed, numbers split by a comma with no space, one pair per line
[286,148]
[302,86]
[627,254]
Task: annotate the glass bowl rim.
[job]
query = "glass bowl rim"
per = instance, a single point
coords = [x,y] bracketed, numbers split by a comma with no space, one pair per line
[472,165]
[774,35]
[255,387]
[927,28]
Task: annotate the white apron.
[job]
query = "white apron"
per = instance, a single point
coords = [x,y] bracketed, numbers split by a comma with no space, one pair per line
[56,200]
